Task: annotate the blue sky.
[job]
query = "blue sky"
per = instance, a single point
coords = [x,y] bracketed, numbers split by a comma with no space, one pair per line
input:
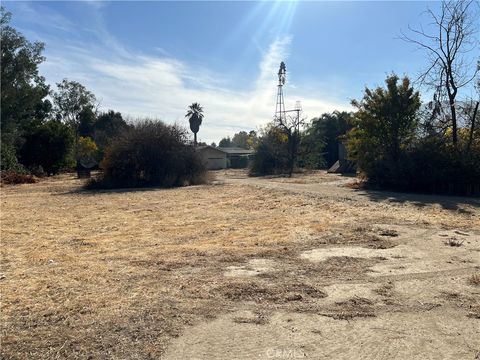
[155,58]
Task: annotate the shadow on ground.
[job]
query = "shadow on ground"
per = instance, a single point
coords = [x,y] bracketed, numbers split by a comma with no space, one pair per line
[456,203]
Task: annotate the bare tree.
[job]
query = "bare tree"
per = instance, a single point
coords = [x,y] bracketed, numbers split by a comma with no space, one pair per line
[453,36]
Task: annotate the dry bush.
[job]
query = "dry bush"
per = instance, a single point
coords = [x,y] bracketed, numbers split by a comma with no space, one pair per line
[14,178]
[150,154]
[454,242]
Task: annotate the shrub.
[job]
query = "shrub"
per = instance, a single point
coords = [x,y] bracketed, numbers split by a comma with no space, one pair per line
[47,144]
[9,161]
[433,166]
[384,129]
[13,178]
[271,154]
[150,154]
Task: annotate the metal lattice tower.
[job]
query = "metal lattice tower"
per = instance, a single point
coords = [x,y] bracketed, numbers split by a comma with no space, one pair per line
[280,107]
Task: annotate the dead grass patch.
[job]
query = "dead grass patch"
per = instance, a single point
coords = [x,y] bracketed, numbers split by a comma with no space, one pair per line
[351,308]
[454,242]
[474,280]
[262,292]
[258,318]
[385,290]
[363,236]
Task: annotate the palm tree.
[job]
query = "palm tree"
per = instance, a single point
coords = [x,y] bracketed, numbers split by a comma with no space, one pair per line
[195,116]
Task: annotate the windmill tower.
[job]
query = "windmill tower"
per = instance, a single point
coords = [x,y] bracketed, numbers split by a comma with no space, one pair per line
[280,107]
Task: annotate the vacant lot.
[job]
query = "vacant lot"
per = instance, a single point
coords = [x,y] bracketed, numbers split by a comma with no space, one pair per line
[241,269]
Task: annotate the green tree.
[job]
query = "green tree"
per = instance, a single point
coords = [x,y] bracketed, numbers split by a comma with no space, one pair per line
[385,125]
[22,88]
[225,142]
[271,153]
[70,100]
[312,147]
[87,152]
[86,122]
[322,136]
[47,144]
[195,117]
[109,125]
[240,140]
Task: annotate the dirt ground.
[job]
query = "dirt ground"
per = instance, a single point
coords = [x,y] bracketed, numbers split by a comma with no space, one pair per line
[243,268]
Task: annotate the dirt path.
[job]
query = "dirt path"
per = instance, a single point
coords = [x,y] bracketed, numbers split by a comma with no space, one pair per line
[418,291]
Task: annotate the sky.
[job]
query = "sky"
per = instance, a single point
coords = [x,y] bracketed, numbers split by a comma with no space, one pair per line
[154,58]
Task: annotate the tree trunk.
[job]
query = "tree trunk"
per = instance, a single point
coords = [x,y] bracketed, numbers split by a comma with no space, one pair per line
[472,127]
[195,139]
[454,123]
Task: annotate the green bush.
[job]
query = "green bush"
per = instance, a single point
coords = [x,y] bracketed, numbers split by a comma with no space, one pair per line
[271,154]
[150,154]
[47,144]
[9,161]
[432,166]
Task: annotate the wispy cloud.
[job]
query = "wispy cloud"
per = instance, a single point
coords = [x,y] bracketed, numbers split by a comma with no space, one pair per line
[162,86]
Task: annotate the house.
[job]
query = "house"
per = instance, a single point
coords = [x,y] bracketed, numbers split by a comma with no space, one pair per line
[237,158]
[213,158]
[216,158]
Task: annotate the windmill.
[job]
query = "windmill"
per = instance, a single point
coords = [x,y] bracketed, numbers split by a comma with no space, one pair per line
[280,107]
[280,112]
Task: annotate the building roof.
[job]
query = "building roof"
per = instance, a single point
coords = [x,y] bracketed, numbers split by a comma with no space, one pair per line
[235,150]
[205,147]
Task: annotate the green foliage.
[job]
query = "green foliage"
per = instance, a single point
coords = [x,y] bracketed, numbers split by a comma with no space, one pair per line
[433,166]
[195,117]
[86,122]
[86,148]
[23,89]
[271,154]
[225,142]
[321,138]
[241,139]
[312,148]
[70,100]
[109,125]
[150,154]
[385,125]
[47,144]
[9,161]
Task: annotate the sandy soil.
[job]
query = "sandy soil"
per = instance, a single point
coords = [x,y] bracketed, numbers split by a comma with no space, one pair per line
[242,268]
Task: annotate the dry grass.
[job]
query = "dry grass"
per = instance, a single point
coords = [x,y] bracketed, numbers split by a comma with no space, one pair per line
[385,290]
[118,274]
[351,308]
[454,242]
[474,280]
